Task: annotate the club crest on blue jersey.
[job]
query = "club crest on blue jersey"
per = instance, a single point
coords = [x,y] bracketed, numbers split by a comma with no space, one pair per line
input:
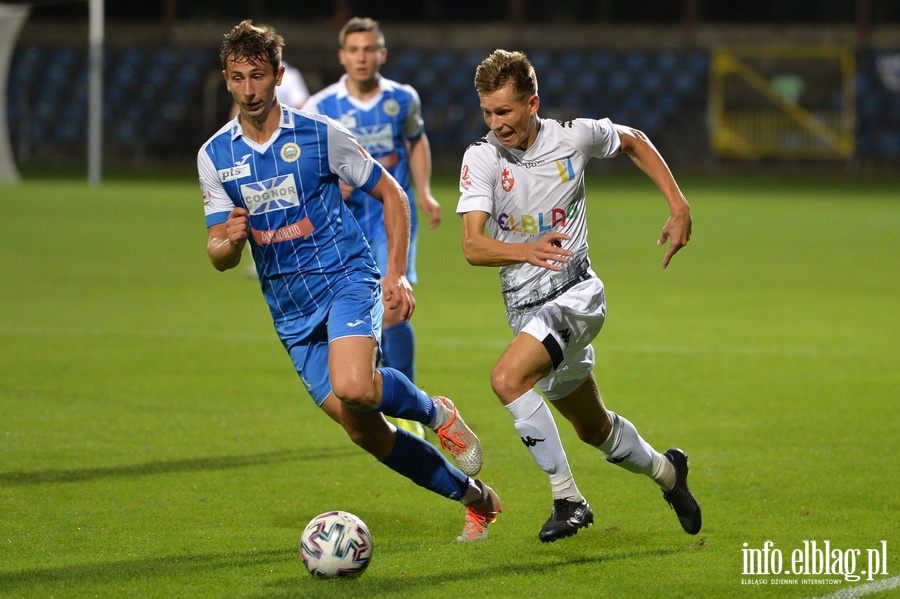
[392,108]
[277,193]
[290,152]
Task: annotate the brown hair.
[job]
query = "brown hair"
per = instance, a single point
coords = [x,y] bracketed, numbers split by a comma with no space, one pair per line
[256,44]
[358,25]
[503,67]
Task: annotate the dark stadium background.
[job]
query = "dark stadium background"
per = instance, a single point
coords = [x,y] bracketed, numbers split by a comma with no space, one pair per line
[642,11]
[163,95]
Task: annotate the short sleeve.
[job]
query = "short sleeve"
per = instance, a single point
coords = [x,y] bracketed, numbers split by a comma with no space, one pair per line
[476,183]
[348,160]
[216,203]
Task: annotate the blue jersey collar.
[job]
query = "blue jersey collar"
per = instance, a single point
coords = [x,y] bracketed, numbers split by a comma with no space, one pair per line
[287,122]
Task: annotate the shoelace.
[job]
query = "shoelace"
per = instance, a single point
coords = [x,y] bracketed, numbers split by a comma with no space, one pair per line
[475,523]
[450,441]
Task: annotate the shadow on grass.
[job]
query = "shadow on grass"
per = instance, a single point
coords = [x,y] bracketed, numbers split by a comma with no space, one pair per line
[42,477]
[183,567]
[476,579]
[141,572]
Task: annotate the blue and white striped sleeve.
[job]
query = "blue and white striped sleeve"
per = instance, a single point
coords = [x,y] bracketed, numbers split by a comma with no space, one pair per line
[349,161]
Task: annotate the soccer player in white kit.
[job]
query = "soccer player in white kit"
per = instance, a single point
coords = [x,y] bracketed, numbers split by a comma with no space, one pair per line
[524,183]
[270,178]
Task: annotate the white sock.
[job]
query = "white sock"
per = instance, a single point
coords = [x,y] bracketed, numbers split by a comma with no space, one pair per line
[626,448]
[663,472]
[537,429]
[441,415]
[563,487]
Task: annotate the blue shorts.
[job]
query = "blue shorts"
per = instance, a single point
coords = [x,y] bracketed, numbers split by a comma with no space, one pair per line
[355,311]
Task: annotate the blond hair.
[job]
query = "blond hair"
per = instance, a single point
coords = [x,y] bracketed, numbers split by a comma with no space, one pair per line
[503,67]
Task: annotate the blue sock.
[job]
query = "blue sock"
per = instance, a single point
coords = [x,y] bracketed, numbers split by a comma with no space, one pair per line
[399,345]
[401,399]
[422,463]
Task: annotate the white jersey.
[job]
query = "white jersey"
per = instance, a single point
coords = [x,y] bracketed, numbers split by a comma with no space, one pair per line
[293,90]
[532,193]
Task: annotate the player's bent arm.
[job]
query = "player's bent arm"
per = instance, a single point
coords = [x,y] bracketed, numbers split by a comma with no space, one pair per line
[482,250]
[225,242]
[222,253]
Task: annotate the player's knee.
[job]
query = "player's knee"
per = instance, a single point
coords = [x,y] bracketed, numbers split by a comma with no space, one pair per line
[507,383]
[356,393]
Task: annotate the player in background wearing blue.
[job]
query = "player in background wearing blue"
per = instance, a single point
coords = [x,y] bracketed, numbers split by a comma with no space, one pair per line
[523,183]
[386,117]
[270,178]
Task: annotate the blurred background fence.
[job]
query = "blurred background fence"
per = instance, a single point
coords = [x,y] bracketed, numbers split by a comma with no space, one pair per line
[164,94]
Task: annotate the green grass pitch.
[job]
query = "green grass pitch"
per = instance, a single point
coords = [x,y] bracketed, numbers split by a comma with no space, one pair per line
[155,441]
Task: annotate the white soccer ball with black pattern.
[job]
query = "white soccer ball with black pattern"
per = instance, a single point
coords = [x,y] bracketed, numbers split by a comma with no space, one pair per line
[336,544]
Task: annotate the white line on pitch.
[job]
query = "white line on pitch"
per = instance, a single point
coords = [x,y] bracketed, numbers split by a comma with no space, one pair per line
[862,590]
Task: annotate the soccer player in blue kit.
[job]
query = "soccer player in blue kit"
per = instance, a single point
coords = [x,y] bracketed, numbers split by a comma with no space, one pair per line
[270,178]
[386,118]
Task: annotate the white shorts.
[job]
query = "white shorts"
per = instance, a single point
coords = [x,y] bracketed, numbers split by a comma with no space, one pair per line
[566,325]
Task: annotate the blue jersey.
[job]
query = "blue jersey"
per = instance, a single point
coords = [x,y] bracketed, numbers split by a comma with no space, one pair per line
[382,125]
[306,244]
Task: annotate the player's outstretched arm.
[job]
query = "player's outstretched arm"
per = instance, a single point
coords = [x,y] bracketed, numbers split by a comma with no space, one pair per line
[227,240]
[481,250]
[677,229]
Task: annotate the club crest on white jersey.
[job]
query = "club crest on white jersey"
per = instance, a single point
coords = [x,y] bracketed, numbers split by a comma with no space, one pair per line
[277,193]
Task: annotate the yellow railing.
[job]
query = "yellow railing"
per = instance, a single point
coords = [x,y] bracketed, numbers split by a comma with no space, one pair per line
[757,110]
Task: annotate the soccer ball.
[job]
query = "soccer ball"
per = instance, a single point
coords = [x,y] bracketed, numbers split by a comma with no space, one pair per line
[336,544]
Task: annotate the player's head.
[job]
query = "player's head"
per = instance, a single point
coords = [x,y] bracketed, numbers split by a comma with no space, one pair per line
[258,45]
[251,63]
[502,68]
[362,50]
[507,87]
